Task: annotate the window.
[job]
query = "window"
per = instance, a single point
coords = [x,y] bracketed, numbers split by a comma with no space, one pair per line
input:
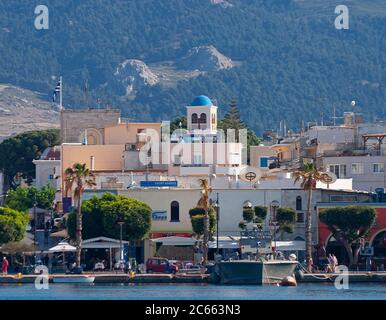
[202,118]
[175,211]
[378,167]
[339,170]
[197,159]
[177,160]
[300,217]
[357,168]
[263,162]
[51,177]
[194,118]
[299,203]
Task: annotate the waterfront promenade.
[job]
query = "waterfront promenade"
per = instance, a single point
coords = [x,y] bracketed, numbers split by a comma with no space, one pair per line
[354,277]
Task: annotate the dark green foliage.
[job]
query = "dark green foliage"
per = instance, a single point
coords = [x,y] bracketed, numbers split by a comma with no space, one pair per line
[248,214]
[260,213]
[101,216]
[294,63]
[286,217]
[17,153]
[197,220]
[22,199]
[242,225]
[12,225]
[351,223]
[175,124]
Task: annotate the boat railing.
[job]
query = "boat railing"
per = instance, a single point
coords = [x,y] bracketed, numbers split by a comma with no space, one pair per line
[256,234]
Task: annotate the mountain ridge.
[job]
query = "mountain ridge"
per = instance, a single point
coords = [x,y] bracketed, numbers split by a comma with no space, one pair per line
[293,64]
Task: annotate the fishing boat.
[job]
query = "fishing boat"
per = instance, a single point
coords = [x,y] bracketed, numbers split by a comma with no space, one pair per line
[262,265]
[73,279]
[254,272]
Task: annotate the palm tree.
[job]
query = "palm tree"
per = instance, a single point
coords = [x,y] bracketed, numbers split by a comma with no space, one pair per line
[80,176]
[309,175]
[204,204]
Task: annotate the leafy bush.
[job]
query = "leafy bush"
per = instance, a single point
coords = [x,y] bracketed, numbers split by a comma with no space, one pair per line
[101,216]
[12,225]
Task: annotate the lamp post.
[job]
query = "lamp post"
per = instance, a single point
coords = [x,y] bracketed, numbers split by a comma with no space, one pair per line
[35,226]
[121,223]
[217,207]
[274,206]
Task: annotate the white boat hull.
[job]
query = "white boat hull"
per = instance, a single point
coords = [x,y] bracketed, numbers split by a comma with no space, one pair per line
[74,279]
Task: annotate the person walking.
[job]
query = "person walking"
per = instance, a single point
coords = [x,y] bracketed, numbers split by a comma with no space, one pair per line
[4,266]
[330,266]
[335,260]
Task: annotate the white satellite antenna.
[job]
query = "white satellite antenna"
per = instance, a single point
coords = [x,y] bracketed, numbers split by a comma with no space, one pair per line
[328,178]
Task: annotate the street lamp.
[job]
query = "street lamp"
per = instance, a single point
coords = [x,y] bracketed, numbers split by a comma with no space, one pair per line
[274,206]
[217,208]
[121,223]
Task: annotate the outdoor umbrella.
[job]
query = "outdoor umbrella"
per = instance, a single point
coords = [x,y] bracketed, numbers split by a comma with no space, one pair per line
[63,247]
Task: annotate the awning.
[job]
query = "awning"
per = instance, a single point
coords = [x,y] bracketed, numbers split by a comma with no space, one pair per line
[225,243]
[102,243]
[175,241]
[290,245]
[63,247]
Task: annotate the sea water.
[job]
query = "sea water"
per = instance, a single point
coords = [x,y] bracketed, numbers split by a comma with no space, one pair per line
[305,291]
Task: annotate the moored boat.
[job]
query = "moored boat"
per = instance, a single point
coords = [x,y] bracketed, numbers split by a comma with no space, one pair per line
[73,279]
[254,272]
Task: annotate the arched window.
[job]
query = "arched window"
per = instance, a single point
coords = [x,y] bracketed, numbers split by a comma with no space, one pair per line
[299,203]
[194,118]
[175,211]
[203,118]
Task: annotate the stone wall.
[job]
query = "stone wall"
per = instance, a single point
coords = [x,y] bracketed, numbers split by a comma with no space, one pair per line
[73,123]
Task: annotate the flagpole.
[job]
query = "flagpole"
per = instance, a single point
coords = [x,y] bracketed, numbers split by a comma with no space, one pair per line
[61,93]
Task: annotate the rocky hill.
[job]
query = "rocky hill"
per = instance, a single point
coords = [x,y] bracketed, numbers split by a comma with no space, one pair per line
[280,59]
[24,110]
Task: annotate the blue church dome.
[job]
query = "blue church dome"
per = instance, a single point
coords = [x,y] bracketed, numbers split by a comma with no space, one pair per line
[201,101]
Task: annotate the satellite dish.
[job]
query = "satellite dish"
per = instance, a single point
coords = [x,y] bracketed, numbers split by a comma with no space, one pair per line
[250,174]
[328,178]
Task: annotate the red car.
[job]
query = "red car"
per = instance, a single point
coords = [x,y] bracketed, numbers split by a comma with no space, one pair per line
[160,265]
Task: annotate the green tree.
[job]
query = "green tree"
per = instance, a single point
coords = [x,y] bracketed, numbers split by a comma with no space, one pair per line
[248,214]
[286,218]
[100,217]
[349,225]
[197,216]
[203,203]
[80,177]
[22,199]
[135,215]
[260,213]
[232,120]
[12,225]
[309,175]
[178,123]
[17,153]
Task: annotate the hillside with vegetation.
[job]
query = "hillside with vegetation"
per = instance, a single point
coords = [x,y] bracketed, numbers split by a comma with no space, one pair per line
[280,59]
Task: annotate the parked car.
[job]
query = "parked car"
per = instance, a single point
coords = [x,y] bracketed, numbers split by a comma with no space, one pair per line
[160,265]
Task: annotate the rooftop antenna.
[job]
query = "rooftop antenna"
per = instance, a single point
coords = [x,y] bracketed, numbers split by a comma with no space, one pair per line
[86,94]
[335,117]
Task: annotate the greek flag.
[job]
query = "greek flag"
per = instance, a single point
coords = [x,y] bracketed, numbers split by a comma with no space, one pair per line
[57,91]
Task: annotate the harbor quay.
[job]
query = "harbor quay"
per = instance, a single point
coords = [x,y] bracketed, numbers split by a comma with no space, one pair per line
[112,278]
